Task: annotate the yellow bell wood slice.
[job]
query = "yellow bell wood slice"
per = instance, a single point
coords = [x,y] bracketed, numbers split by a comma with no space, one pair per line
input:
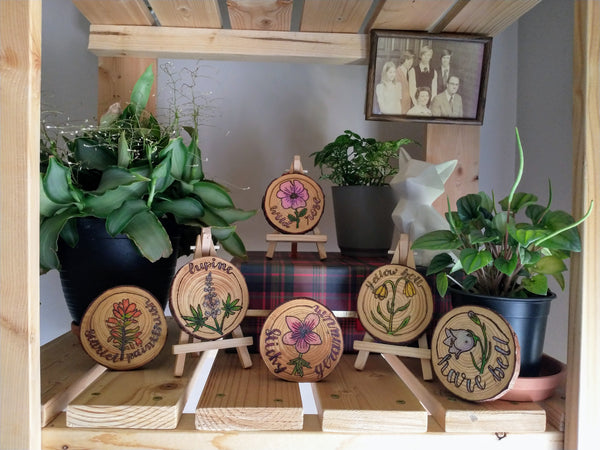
[475,353]
[293,203]
[395,304]
[208,298]
[301,340]
[124,328]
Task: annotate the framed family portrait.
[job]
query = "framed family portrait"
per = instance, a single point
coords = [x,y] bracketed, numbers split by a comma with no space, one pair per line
[422,77]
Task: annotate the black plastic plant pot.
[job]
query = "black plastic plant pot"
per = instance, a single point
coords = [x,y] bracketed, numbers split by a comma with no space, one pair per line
[100,262]
[527,317]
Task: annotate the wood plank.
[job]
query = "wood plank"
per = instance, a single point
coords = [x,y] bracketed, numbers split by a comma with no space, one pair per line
[148,398]
[370,400]
[187,13]
[583,358]
[20,60]
[409,14]
[116,78]
[268,15]
[66,370]
[247,399]
[488,17]
[115,12]
[460,142]
[251,45]
[186,437]
[460,416]
[334,16]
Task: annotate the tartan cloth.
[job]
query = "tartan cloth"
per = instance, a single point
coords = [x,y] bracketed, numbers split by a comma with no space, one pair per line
[334,282]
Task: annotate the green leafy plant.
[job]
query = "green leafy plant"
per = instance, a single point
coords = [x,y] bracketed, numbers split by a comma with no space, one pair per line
[352,160]
[488,251]
[132,172]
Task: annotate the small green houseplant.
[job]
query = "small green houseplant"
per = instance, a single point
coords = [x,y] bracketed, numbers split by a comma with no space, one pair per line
[137,179]
[494,253]
[501,258]
[360,169]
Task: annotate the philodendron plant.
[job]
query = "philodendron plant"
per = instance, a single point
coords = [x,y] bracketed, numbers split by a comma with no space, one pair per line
[493,253]
[132,172]
[352,160]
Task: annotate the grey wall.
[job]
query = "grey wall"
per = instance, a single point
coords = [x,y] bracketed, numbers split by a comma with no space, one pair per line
[264,113]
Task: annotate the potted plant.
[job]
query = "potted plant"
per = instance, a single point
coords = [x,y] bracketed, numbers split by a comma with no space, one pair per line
[132,186]
[501,258]
[363,201]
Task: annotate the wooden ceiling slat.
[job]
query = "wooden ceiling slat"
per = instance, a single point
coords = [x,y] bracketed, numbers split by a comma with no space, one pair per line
[334,16]
[232,45]
[268,15]
[410,15]
[187,13]
[488,17]
[115,12]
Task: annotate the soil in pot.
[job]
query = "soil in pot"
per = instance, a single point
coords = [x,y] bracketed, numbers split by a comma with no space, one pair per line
[100,262]
[363,219]
[527,317]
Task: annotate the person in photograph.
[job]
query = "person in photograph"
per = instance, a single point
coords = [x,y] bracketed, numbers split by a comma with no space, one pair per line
[448,103]
[388,92]
[444,71]
[406,62]
[420,109]
[423,74]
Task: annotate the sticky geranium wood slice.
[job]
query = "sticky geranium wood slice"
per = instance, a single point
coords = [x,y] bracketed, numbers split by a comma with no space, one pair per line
[124,328]
[293,203]
[301,340]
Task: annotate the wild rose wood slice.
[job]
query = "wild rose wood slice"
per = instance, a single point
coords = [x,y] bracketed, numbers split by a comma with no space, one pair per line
[475,353]
[124,328]
[301,340]
[208,297]
[293,203]
[395,304]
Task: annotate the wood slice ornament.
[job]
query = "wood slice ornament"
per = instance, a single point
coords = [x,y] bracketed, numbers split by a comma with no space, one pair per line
[301,340]
[124,328]
[475,353]
[395,304]
[294,202]
[209,297]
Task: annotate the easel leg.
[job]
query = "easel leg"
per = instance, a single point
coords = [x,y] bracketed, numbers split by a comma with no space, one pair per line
[363,355]
[242,351]
[425,363]
[184,338]
[271,250]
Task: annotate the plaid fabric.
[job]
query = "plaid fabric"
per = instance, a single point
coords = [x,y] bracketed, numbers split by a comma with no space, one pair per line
[334,282]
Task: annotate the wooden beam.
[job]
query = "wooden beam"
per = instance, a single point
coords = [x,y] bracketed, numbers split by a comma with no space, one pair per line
[212,44]
[20,60]
[583,360]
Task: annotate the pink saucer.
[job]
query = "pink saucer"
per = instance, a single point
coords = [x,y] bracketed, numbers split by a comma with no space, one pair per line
[553,374]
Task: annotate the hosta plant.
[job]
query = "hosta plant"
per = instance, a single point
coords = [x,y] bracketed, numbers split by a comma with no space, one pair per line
[133,172]
[488,249]
[352,160]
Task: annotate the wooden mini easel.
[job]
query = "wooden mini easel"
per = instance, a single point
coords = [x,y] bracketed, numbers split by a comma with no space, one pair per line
[316,236]
[189,344]
[403,255]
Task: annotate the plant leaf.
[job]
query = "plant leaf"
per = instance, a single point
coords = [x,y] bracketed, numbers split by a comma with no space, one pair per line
[57,183]
[467,207]
[473,260]
[102,205]
[506,266]
[441,283]
[92,154]
[50,229]
[182,208]
[232,215]
[149,236]
[538,284]
[549,265]
[213,194]
[113,177]
[439,262]
[118,219]
[141,91]
[123,157]
[437,240]
[520,200]
[234,245]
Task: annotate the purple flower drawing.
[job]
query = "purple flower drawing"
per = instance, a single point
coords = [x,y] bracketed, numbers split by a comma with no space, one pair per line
[293,195]
[301,334]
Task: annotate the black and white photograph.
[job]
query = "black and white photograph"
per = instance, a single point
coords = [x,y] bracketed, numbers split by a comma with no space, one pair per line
[416,76]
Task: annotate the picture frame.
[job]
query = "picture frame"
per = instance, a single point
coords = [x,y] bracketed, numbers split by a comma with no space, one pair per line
[460,86]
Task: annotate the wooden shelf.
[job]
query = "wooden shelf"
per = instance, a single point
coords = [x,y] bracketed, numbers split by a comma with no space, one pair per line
[143,408]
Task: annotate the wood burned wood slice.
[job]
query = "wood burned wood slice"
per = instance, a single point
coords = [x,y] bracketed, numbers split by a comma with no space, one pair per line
[395,304]
[475,353]
[301,340]
[293,203]
[124,328]
[209,297]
